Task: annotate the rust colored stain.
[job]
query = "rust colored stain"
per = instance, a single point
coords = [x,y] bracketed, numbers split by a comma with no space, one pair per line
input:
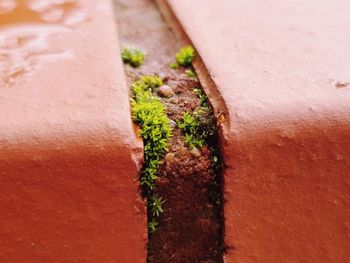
[281,69]
[69,159]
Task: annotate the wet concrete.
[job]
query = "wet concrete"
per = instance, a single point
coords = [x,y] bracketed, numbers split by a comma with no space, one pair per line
[27,29]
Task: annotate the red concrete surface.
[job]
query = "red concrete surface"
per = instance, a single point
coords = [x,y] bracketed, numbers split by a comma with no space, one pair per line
[283,71]
[69,159]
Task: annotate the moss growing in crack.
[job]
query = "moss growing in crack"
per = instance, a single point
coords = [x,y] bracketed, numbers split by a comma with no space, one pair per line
[202,97]
[133,57]
[155,208]
[155,204]
[198,127]
[149,112]
[193,140]
[189,124]
[190,73]
[185,56]
[152,225]
[147,82]
[207,123]
[174,65]
[216,160]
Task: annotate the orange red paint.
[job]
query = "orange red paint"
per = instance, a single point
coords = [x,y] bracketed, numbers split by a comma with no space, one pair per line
[69,158]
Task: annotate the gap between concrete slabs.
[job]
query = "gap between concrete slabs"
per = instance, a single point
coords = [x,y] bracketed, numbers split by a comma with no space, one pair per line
[189,227]
[279,68]
[69,157]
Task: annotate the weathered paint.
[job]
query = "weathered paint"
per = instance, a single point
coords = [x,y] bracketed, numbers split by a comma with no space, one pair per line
[283,71]
[69,158]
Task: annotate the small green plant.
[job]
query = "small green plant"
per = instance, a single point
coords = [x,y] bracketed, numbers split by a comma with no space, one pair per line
[133,57]
[191,74]
[154,209]
[198,126]
[149,82]
[215,157]
[202,97]
[189,124]
[185,56]
[174,65]
[207,122]
[152,225]
[155,204]
[146,84]
[193,141]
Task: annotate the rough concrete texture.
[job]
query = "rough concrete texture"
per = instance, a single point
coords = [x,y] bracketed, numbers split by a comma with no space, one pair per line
[68,155]
[283,70]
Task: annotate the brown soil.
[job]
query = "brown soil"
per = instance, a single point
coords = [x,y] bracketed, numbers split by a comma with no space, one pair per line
[190,229]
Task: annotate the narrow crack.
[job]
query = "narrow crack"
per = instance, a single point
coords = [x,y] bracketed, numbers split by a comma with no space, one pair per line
[184,199]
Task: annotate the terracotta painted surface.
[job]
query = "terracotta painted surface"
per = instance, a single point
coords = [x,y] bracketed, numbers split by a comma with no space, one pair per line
[69,159]
[283,70]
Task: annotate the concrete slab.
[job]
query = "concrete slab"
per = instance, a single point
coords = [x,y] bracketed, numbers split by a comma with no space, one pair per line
[69,158]
[282,69]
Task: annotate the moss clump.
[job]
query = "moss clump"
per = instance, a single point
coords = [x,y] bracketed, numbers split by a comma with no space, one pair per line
[174,65]
[198,127]
[191,74]
[149,112]
[193,141]
[146,83]
[132,57]
[185,56]
[202,97]
[207,123]
[189,123]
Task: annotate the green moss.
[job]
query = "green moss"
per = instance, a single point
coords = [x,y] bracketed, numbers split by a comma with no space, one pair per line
[207,122]
[148,111]
[185,56]
[191,74]
[189,124]
[202,97]
[198,127]
[174,65]
[194,141]
[152,225]
[133,57]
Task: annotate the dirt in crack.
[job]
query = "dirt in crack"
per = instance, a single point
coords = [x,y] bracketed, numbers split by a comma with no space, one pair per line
[184,194]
